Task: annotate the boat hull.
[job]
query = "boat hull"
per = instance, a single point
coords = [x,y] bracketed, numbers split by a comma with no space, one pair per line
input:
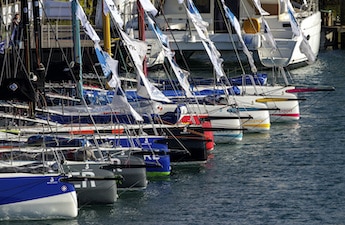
[132,169]
[26,197]
[288,49]
[185,145]
[89,191]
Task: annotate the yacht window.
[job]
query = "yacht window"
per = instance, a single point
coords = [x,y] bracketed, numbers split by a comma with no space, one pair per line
[203,6]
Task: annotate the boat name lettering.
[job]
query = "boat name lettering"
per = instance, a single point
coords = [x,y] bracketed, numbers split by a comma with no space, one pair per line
[52,181]
[117,161]
[151,157]
[84,183]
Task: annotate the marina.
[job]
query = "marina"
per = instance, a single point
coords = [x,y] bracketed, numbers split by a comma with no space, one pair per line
[204,140]
[293,174]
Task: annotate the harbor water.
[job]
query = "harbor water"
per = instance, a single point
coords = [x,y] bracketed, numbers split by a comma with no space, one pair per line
[293,174]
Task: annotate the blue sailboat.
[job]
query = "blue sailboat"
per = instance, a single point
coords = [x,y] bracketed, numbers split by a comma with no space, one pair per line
[26,189]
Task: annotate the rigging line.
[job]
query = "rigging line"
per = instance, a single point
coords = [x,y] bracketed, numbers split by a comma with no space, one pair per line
[64,56]
[96,72]
[263,17]
[173,36]
[230,32]
[318,99]
[171,69]
[4,65]
[174,136]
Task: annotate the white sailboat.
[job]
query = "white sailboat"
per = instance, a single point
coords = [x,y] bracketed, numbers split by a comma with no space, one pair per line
[26,188]
[223,122]
[298,42]
[256,114]
[174,23]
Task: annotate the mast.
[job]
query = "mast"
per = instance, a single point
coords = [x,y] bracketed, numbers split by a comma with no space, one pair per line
[77,47]
[27,51]
[106,31]
[141,25]
[39,67]
[26,34]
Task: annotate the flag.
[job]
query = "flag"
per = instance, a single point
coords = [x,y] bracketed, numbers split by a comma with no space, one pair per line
[120,103]
[86,24]
[109,67]
[201,28]
[2,47]
[294,24]
[110,7]
[181,75]
[262,12]
[148,7]
[268,35]
[137,50]
[304,47]
[101,59]
[236,25]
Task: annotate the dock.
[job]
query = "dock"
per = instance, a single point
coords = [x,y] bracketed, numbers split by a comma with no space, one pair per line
[333,24]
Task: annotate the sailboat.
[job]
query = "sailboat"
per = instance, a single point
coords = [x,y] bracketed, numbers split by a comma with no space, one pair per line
[174,23]
[27,189]
[226,124]
[177,136]
[282,107]
[102,117]
[281,96]
[254,116]
[102,188]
